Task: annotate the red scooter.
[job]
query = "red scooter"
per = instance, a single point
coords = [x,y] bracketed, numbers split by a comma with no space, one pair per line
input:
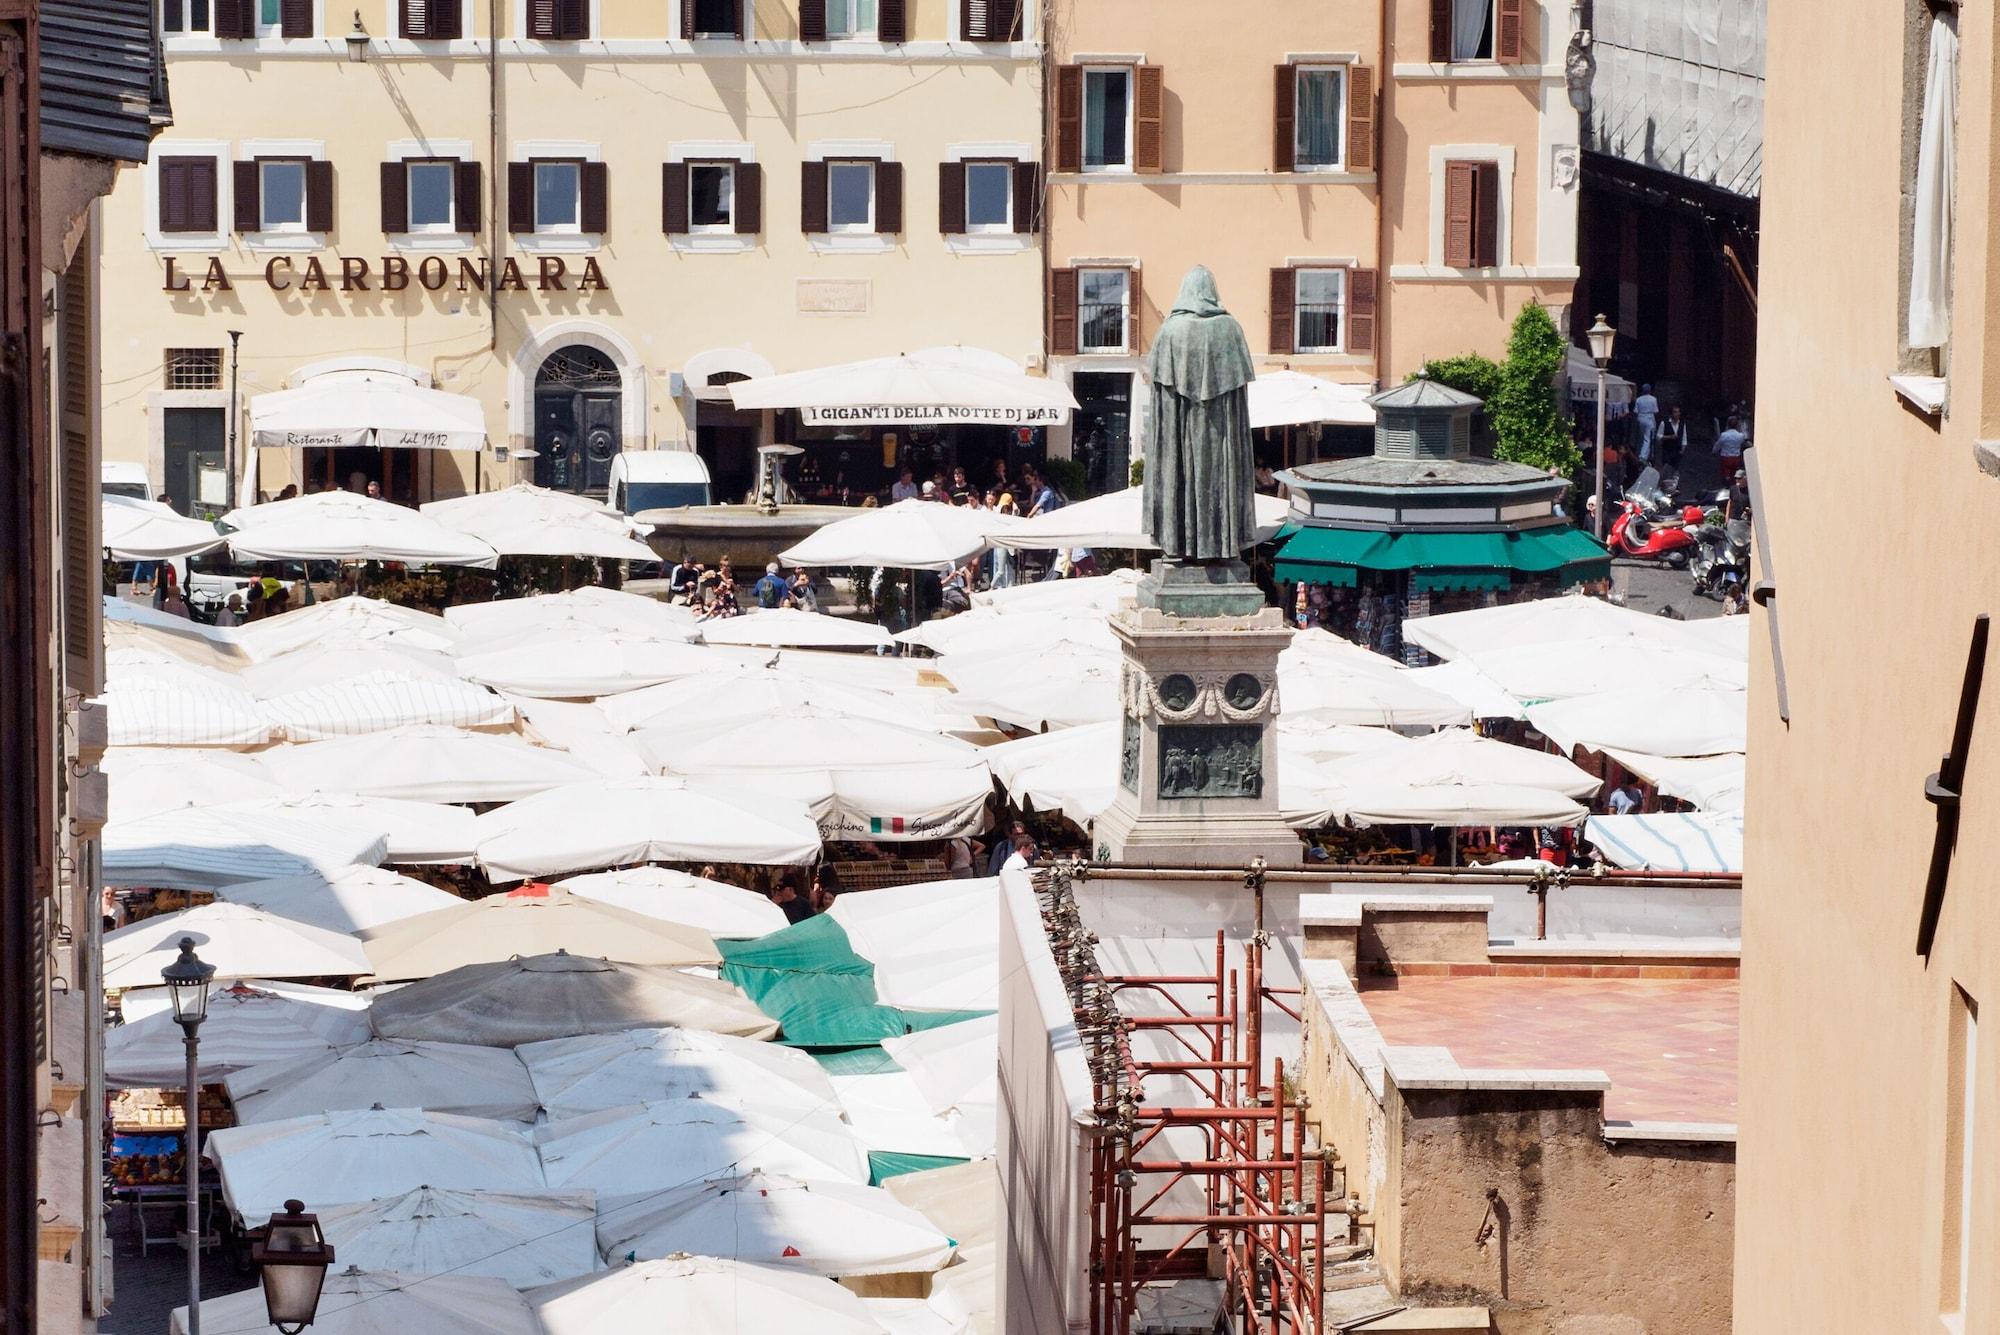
[1646,528]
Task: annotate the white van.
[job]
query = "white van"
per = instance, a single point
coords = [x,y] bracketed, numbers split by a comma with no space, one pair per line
[125,479]
[658,480]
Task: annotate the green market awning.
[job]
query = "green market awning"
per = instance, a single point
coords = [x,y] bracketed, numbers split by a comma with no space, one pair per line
[1441,560]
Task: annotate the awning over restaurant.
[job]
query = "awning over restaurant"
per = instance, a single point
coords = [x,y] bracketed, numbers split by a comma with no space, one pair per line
[341,408]
[1441,560]
[932,387]
[1292,398]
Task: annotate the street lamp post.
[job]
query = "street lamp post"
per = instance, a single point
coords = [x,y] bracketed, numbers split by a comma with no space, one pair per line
[292,1262]
[1601,336]
[187,983]
[229,459]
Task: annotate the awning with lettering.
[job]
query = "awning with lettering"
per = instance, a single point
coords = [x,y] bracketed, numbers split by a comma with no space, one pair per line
[932,387]
[366,408]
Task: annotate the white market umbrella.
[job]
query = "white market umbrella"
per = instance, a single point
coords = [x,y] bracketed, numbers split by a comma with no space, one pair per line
[246,1026]
[1709,783]
[341,526]
[984,630]
[935,945]
[141,1002]
[346,899]
[531,920]
[149,779]
[1331,689]
[891,1115]
[1105,593]
[608,609]
[957,1067]
[730,693]
[836,1229]
[152,708]
[592,1073]
[344,1155]
[625,1153]
[140,530]
[700,1295]
[1334,741]
[585,663]
[560,996]
[346,408]
[467,1079]
[932,385]
[523,1238]
[1464,682]
[425,764]
[1060,685]
[525,520]
[912,534]
[905,803]
[204,848]
[1696,721]
[341,656]
[1534,673]
[240,941]
[360,1302]
[1292,398]
[1694,841]
[580,729]
[1460,756]
[811,738]
[618,822]
[562,537]
[381,701]
[348,619]
[1115,519]
[415,832]
[676,896]
[1362,803]
[792,628]
[1572,616]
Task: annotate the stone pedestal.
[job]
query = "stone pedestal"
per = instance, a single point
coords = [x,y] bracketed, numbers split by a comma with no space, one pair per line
[1198,763]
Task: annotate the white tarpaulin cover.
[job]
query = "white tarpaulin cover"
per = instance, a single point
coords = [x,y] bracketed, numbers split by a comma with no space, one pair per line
[910,534]
[930,387]
[1699,721]
[1710,783]
[533,919]
[383,1303]
[627,1153]
[935,945]
[828,1228]
[957,1066]
[1678,85]
[1460,756]
[791,628]
[1115,519]
[246,1026]
[425,764]
[205,848]
[1293,398]
[1447,804]
[618,822]
[341,526]
[700,1295]
[343,1156]
[524,1238]
[574,1077]
[241,942]
[463,1078]
[381,702]
[150,779]
[677,896]
[139,530]
[891,1115]
[1678,841]
[344,408]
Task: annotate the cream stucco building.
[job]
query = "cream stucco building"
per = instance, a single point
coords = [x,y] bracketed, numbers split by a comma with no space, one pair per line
[1373,185]
[1869,1193]
[665,196]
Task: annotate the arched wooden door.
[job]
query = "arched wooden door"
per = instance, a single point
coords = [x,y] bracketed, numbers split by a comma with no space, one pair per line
[578,409]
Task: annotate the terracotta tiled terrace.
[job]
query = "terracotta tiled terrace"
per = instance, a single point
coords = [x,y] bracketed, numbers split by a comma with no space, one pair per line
[1669,1046]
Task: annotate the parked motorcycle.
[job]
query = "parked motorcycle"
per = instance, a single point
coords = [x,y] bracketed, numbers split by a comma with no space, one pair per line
[1650,527]
[1721,558]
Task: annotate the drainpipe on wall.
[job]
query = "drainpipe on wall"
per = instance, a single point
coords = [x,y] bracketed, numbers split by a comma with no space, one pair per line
[495,169]
[1386,65]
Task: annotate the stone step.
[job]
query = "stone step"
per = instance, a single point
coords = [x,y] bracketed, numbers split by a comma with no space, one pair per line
[1352,1274]
[1428,1321]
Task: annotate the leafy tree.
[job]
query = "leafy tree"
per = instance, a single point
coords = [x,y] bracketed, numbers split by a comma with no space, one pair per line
[1468,373]
[1527,421]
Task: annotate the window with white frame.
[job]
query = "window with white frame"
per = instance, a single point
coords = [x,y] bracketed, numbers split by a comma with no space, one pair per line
[1107,119]
[712,196]
[989,196]
[716,18]
[559,196]
[281,194]
[1472,29]
[1316,308]
[850,19]
[1318,117]
[432,196]
[850,196]
[1103,309]
[184,18]
[270,17]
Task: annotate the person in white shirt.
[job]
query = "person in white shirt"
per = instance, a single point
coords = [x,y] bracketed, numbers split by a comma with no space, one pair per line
[1645,416]
[1023,856]
[1625,799]
[905,488]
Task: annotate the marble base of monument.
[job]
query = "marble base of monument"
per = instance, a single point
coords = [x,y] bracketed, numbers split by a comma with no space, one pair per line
[1198,763]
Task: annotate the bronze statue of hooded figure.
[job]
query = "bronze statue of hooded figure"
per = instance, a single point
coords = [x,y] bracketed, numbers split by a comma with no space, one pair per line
[1200,472]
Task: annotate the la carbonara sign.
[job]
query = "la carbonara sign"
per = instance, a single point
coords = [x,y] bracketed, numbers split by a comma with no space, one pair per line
[888,414]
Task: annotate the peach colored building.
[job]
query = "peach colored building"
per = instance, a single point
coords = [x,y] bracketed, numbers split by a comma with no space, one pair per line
[1372,185]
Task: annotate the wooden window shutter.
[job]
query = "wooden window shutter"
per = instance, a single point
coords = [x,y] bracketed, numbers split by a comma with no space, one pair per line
[1062,312]
[249,211]
[395,197]
[83,556]
[572,20]
[468,197]
[812,20]
[888,198]
[173,18]
[1460,191]
[891,21]
[687,20]
[1361,310]
[951,198]
[441,20]
[235,18]
[1133,304]
[740,34]
[1284,292]
[749,198]
[295,18]
[812,197]
[594,207]
[1017,19]
[410,16]
[1027,197]
[674,198]
[319,196]
[974,23]
[1069,118]
[1440,32]
[520,197]
[542,18]
[1486,214]
[1149,139]
[201,196]
[1284,117]
[1360,118]
[1512,17]
[187,194]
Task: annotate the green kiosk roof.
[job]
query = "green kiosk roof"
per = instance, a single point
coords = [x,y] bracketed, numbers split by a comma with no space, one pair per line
[1439,561]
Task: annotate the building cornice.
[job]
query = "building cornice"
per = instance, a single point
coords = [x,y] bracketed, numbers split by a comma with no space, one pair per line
[1006,55]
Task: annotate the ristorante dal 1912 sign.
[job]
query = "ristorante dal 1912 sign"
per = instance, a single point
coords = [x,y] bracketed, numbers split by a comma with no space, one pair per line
[397,273]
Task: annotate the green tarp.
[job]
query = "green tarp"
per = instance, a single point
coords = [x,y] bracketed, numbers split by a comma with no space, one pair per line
[808,978]
[885,1164]
[870,1060]
[1334,555]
